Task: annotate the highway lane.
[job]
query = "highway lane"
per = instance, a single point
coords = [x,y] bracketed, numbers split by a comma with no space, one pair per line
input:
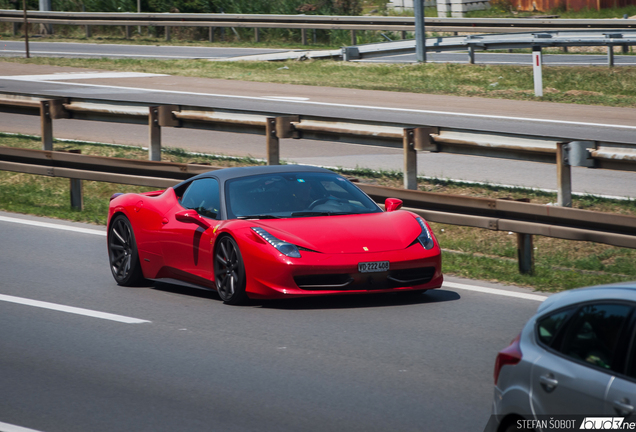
[536,118]
[167,52]
[533,118]
[347,363]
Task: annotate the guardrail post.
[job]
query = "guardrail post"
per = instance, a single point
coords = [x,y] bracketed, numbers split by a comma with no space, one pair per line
[16,28]
[154,134]
[410,159]
[167,33]
[525,253]
[77,189]
[471,54]
[625,48]
[166,117]
[303,36]
[564,175]
[422,139]
[127,28]
[257,34]
[610,55]
[354,39]
[211,36]
[46,125]
[272,143]
[77,194]
[87,28]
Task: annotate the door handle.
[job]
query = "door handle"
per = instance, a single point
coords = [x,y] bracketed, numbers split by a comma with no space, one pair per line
[548,382]
[623,407]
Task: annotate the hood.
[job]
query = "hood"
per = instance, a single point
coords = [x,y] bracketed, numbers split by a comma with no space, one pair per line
[378,232]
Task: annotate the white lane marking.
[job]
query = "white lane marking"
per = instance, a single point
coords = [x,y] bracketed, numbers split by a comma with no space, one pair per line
[71,309]
[68,53]
[494,291]
[364,107]
[79,75]
[6,427]
[287,98]
[53,226]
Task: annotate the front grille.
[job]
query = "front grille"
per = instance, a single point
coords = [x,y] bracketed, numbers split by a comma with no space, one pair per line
[366,281]
[323,281]
[412,276]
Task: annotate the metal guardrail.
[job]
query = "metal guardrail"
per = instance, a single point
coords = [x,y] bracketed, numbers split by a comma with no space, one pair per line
[483,42]
[309,22]
[480,25]
[563,151]
[525,219]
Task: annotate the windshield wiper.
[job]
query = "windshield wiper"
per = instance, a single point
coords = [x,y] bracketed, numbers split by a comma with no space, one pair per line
[263,216]
[317,213]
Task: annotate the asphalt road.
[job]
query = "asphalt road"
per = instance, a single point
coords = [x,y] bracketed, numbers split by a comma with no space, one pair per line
[347,363]
[86,50]
[89,50]
[534,118]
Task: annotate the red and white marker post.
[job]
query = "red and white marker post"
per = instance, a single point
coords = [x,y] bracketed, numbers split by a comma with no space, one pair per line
[537,62]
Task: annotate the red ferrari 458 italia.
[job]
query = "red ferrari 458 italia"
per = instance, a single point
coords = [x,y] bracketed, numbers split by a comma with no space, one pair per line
[271,232]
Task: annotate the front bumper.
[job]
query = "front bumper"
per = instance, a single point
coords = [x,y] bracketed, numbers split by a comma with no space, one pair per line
[316,274]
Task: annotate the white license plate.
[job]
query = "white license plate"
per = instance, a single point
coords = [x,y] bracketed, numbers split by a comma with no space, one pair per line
[377,266]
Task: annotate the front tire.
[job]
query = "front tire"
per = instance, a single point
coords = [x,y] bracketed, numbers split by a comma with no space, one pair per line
[122,253]
[229,271]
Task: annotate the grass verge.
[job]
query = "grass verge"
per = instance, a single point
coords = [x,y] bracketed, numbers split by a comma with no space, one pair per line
[468,252]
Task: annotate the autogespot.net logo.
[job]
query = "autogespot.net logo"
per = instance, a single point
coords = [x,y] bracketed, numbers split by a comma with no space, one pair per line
[607,423]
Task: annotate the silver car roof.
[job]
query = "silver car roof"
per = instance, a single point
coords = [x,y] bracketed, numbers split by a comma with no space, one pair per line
[616,291]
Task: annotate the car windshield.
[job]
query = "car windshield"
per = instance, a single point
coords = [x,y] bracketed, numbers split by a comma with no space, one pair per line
[303,194]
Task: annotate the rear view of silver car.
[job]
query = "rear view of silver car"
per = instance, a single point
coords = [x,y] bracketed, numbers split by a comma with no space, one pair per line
[576,356]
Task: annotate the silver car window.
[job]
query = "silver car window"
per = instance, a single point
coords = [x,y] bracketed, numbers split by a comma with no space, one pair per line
[548,327]
[594,332]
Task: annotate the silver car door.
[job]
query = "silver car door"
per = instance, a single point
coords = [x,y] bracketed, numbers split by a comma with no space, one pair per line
[560,387]
[621,398]
[574,376]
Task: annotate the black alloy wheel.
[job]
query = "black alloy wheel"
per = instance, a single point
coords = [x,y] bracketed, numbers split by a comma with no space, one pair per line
[122,253]
[229,271]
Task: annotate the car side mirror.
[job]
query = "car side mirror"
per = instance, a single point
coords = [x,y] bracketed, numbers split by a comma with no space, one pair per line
[191,216]
[392,204]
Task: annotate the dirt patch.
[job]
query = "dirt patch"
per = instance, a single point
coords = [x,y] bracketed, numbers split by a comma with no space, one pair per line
[511,92]
[582,93]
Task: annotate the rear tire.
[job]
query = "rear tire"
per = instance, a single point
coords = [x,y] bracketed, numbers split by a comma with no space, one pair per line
[229,271]
[122,253]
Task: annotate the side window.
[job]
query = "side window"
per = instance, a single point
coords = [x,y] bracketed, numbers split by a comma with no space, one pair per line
[594,333]
[548,327]
[203,196]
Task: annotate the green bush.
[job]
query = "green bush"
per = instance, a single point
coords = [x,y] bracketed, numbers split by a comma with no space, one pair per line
[279,7]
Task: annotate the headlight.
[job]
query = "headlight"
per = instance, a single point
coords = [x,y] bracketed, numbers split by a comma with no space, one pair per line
[283,247]
[426,238]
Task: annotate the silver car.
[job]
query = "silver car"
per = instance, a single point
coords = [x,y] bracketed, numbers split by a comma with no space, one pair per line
[576,356]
